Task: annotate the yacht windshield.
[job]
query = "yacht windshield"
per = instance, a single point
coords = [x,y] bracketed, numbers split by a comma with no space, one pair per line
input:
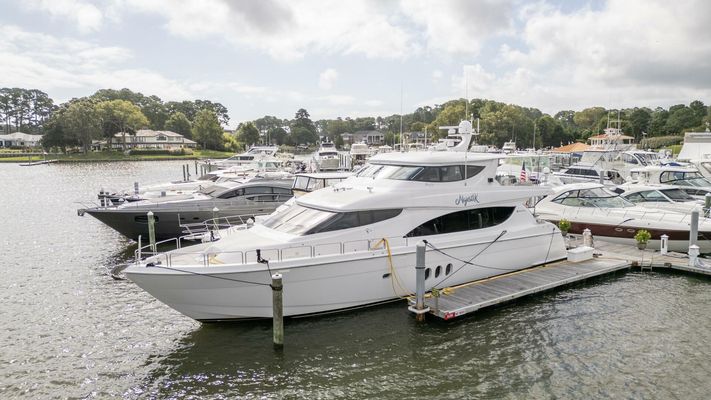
[677,195]
[297,220]
[593,197]
[683,178]
[649,158]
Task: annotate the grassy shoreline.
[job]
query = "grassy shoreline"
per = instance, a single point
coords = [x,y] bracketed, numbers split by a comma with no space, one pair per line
[115,156]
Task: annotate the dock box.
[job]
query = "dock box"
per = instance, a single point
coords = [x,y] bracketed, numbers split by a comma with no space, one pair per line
[580,253]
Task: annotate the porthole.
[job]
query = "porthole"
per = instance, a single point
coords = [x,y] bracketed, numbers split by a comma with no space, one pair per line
[428,271]
[448,270]
[438,271]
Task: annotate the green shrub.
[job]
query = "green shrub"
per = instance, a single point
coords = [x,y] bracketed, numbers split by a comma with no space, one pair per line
[564,225]
[642,236]
[660,141]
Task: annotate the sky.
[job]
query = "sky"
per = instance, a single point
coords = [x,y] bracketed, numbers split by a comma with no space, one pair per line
[354,58]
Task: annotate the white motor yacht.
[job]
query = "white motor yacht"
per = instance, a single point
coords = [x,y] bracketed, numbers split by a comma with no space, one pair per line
[615,219]
[327,158]
[686,178]
[353,244]
[254,153]
[664,197]
[359,153]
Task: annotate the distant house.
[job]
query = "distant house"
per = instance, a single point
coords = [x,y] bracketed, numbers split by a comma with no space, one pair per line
[149,139]
[612,136]
[20,139]
[418,137]
[367,137]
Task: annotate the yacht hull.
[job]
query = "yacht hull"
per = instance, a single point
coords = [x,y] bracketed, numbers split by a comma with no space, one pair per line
[324,284]
[624,234]
[132,223]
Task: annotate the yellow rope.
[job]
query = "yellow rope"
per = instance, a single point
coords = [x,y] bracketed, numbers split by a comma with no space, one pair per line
[393,275]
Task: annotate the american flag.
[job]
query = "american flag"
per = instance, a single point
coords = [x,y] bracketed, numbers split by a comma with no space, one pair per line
[523,177]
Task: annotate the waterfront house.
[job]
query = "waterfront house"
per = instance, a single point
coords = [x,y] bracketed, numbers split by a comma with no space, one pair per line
[150,139]
[20,139]
[376,138]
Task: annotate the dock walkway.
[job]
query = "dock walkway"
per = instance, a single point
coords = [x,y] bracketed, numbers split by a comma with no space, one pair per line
[609,258]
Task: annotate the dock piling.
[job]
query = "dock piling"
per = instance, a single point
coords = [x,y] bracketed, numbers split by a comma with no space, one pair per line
[694,252]
[196,167]
[587,238]
[184,177]
[277,310]
[707,204]
[694,228]
[135,188]
[420,308]
[152,230]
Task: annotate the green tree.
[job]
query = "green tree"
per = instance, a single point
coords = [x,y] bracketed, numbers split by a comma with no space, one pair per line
[639,120]
[207,130]
[120,116]
[588,119]
[303,130]
[179,123]
[658,124]
[682,118]
[248,133]
[83,122]
[277,135]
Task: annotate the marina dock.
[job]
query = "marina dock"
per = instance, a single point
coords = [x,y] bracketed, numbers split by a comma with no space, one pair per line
[608,258]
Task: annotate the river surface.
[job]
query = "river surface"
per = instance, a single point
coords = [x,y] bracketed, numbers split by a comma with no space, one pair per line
[68,330]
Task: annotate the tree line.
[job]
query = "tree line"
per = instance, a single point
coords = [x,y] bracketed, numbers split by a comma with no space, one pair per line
[499,123]
[103,114]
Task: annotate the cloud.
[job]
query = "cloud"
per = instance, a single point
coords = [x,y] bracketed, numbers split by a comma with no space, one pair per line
[327,78]
[86,16]
[460,26]
[626,53]
[286,30]
[41,61]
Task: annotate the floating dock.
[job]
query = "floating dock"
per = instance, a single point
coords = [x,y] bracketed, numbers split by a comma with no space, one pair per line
[609,258]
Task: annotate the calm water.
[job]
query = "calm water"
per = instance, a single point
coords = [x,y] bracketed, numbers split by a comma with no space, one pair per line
[70,331]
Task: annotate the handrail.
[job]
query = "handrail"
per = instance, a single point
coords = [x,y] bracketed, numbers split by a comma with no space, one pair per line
[310,251]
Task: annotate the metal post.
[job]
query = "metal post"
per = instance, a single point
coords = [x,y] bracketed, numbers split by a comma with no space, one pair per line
[152,231]
[602,177]
[277,310]
[135,188]
[183,168]
[420,308]
[187,171]
[707,204]
[196,169]
[215,213]
[694,229]
[664,244]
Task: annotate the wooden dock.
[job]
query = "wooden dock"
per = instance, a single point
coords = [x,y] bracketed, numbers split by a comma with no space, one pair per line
[609,258]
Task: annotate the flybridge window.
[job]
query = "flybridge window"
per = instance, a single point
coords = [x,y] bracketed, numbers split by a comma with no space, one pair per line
[464,220]
[299,220]
[445,173]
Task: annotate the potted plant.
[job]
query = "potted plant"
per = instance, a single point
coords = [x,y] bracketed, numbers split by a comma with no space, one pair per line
[564,226]
[642,237]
